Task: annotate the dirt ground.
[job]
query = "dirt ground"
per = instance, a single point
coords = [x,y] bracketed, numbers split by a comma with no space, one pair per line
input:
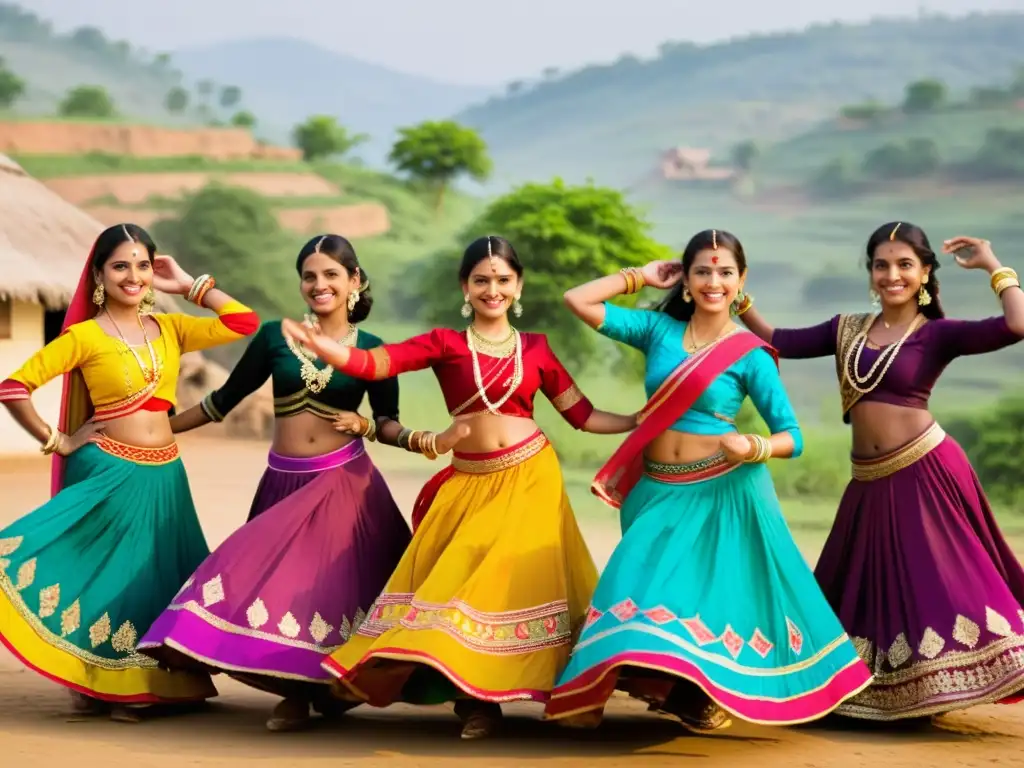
[35,723]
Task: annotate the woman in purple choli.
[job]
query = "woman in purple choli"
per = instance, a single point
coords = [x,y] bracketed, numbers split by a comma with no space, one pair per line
[324,534]
[915,565]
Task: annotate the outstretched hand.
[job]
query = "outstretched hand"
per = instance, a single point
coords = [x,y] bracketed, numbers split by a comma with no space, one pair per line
[972,253]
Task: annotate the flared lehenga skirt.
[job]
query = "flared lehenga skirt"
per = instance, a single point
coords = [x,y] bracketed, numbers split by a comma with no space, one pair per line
[291,585]
[83,575]
[708,588]
[918,572]
[487,597]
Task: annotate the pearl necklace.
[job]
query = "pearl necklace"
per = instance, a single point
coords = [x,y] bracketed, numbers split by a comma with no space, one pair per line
[317,379]
[478,379]
[149,374]
[888,356]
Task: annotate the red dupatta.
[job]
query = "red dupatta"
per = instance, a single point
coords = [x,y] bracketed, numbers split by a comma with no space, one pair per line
[673,398]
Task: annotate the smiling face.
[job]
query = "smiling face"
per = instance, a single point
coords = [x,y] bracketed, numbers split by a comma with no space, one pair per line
[492,287]
[714,280]
[326,284]
[897,273]
[127,275]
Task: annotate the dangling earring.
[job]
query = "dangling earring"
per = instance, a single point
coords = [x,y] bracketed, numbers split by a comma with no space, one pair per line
[148,302]
[517,308]
[353,299]
[686,295]
[875,298]
[737,302]
[923,297]
[467,309]
[99,296]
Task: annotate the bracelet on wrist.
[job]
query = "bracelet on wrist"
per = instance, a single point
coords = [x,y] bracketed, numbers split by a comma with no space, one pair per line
[634,279]
[403,438]
[52,442]
[761,449]
[200,287]
[1000,274]
[747,303]
[429,446]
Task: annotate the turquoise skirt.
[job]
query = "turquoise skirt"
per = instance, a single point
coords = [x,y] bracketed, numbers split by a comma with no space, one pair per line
[84,575]
[707,586]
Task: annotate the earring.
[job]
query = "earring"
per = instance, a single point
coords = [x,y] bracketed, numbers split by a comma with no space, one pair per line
[738,301]
[686,295]
[874,297]
[923,297]
[517,308]
[99,296]
[353,299]
[148,303]
[467,309]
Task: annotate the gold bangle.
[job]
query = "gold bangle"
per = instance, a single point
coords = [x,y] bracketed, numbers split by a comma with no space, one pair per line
[748,302]
[414,441]
[634,279]
[1002,285]
[430,449]
[628,277]
[52,442]
[404,435]
[762,449]
[1001,273]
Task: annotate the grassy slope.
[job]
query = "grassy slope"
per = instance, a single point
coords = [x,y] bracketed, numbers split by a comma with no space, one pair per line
[611,122]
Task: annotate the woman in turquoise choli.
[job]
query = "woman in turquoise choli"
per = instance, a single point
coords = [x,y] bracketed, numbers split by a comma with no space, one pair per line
[706,607]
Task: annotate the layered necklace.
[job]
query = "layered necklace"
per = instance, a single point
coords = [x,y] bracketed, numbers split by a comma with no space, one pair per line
[851,365]
[509,347]
[317,379]
[149,373]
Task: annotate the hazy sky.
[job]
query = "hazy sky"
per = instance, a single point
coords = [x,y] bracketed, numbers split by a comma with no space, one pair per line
[473,41]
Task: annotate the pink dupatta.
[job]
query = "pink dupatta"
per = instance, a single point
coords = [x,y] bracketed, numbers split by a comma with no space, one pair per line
[673,398]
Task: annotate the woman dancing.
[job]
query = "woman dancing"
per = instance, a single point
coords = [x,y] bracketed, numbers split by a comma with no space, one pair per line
[81,576]
[324,534]
[707,606]
[915,565]
[497,577]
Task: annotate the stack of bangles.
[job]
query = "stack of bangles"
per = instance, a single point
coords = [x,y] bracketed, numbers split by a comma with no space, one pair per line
[634,279]
[743,306]
[762,449]
[200,287]
[369,430]
[417,441]
[1004,278]
[52,443]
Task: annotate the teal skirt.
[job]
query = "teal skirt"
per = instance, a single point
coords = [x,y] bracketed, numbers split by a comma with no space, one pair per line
[707,588]
[84,575]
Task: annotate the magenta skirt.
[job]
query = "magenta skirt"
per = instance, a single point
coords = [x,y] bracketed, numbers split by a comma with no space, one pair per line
[921,578]
[290,586]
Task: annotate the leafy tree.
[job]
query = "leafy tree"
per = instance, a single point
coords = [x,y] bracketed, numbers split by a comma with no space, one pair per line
[866,112]
[565,235]
[837,178]
[913,159]
[994,440]
[322,136]
[87,101]
[745,154]
[12,87]
[230,96]
[90,39]
[243,119]
[924,96]
[176,100]
[437,152]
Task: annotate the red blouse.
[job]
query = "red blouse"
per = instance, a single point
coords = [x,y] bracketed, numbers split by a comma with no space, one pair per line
[446,352]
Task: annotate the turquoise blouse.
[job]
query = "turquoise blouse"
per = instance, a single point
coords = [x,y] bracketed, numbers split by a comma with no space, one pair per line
[660,338]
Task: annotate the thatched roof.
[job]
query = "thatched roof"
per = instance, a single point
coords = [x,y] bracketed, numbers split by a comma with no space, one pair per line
[44,240]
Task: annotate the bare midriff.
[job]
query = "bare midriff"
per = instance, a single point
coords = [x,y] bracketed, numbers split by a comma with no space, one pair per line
[143,429]
[490,433]
[682,447]
[881,428]
[304,435]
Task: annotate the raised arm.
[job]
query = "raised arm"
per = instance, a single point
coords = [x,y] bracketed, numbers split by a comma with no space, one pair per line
[766,391]
[587,301]
[248,375]
[803,343]
[381,362]
[234,321]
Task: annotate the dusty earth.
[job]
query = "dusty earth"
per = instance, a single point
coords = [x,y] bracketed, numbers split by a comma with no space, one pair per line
[35,723]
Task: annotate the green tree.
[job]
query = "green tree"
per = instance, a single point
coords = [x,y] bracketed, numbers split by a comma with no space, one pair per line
[230,96]
[924,96]
[865,112]
[12,87]
[243,119]
[87,101]
[744,155]
[176,100]
[438,152]
[565,235]
[994,440]
[322,136]
[908,160]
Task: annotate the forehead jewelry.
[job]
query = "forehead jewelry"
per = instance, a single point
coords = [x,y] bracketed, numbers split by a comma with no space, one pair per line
[316,249]
[892,235]
[714,239]
[490,255]
[135,251]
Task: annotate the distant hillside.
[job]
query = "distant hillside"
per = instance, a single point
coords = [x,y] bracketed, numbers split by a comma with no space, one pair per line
[286,80]
[611,122]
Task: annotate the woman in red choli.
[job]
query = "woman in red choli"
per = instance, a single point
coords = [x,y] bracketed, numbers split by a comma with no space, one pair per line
[915,566]
[484,604]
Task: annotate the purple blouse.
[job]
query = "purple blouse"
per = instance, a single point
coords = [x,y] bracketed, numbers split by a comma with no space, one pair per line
[920,362]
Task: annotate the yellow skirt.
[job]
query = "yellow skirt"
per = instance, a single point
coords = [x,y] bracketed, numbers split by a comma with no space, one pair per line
[490,593]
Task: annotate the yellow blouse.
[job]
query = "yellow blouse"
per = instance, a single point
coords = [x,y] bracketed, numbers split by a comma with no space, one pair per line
[112,373]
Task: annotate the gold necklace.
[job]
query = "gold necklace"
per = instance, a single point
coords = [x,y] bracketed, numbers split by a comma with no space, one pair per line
[499,349]
[149,374]
[316,380]
[852,363]
[693,346]
[478,379]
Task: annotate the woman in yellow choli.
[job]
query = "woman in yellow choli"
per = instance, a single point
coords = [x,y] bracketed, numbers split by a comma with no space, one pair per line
[83,576]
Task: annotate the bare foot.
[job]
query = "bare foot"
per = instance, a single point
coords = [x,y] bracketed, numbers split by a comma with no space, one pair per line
[451,437]
[289,715]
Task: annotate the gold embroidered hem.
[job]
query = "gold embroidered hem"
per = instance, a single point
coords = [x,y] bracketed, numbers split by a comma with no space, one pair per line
[867,470]
[137,454]
[487,463]
[955,680]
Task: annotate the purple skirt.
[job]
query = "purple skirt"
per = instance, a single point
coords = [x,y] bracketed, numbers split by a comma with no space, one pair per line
[917,571]
[290,586]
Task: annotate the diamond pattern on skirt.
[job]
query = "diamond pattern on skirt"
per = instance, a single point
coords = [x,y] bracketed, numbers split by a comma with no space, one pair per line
[699,630]
[660,615]
[796,637]
[733,642]
[592,615]
[625,610]
[761,645]
[213,591]
[966,632]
